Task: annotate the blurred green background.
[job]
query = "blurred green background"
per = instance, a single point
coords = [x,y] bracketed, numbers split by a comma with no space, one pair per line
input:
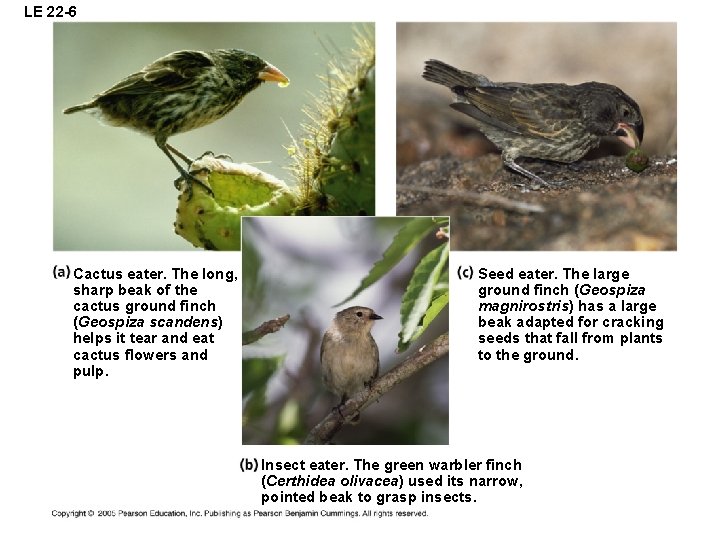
[303,267]
[113,188]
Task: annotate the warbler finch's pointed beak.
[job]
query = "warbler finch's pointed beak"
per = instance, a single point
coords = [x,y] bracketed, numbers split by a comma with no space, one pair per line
[272,74]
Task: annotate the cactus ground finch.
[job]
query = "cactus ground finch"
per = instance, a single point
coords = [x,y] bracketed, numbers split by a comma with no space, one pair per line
[179,92]
[552,121]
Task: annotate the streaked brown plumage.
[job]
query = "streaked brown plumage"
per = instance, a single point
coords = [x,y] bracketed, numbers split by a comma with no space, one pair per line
[552,121]
[181,91]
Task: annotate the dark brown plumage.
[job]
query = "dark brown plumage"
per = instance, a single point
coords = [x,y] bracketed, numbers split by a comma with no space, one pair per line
[181,91]
[552,121]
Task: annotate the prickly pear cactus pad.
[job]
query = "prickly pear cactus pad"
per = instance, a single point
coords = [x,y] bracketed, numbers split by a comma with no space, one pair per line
[212,221]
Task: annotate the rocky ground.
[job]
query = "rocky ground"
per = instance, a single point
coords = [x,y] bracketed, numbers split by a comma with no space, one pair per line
[601,206]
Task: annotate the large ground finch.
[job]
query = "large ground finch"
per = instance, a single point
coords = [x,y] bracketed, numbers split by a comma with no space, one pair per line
[179,92]
[550,121]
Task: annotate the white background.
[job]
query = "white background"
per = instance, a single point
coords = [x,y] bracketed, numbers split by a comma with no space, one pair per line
[620,445]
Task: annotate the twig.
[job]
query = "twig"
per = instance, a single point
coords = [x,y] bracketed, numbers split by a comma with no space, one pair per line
[268,327]
[481,199]
[333,422]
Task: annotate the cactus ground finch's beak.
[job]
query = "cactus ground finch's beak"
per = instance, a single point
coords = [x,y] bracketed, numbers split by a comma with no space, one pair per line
[272,74]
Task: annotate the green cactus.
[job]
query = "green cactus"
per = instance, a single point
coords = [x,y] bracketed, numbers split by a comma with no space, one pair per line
[333,164]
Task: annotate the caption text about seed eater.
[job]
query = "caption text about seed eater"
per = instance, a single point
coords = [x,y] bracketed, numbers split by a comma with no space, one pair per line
[550,315]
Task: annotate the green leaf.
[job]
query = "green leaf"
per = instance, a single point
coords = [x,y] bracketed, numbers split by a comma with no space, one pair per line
[288,418]
[406,238]
[257,371]
[255,374]
[419,295]
[436,306]
[443,281]
[253,284]
[288,440]
[254,407]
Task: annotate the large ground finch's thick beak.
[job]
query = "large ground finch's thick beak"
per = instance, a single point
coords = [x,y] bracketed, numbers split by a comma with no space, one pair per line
[629,134]
[272,74]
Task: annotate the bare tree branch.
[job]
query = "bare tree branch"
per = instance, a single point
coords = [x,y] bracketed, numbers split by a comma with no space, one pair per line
[268,327]
[333,422]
